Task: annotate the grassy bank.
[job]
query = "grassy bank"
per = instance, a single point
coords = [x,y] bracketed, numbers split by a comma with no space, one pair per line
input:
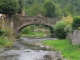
[38,34]
[69,51]
[35,31]
[5,42]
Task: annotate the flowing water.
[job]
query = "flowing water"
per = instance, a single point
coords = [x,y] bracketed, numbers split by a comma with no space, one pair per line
[30,49]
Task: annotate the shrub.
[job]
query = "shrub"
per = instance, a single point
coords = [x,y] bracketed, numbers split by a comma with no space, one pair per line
[5,42]
[6,37]
[59,29]
[8,32]
[26,30]
[76,23]
[62,27]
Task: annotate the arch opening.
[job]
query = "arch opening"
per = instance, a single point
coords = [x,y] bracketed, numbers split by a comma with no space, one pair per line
[37,31]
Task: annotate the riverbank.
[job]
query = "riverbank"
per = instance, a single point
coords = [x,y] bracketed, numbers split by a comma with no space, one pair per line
[6,42]
[69,51]
[24,49]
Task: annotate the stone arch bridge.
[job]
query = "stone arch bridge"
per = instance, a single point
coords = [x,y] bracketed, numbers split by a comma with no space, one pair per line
[19,22]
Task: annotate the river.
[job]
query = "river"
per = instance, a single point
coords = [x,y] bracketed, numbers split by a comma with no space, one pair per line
[30,49]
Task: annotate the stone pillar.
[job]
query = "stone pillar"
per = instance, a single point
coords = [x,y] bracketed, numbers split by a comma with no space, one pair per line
[76,37]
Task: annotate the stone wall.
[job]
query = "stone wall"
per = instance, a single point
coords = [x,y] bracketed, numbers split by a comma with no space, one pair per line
[74,37]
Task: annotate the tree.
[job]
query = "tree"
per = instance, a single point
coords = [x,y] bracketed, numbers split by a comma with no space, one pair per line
[9,7]
[58,11]
[76,23]
[49,8]
[65,11]
[62,27]
[35,9]
[21,6]
[70,8]
[29,1]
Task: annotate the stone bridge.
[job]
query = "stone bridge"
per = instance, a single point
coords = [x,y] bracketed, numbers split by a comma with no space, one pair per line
[19,22]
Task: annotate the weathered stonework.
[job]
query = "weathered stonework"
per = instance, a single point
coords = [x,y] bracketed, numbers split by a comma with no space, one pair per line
[76,37]
[19,22]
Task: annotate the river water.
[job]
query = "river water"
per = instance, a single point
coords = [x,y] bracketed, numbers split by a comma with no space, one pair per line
[30,49]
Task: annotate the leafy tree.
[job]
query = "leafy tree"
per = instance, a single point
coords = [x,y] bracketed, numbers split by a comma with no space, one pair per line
[62,27]
[28,1]
[49,7]
[35,9]
[65,11]
[63,7]
[59,29]
[9,6]
[71,6]
[41,1]
[71,9]
[76,23]
[58,11]
[21,6]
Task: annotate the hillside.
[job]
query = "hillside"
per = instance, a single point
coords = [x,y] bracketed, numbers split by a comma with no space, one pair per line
[63,7]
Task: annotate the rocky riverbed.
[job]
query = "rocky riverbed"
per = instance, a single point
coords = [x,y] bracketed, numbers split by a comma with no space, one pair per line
[30,49]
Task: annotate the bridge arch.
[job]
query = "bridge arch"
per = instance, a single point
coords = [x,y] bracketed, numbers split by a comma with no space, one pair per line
[19,22]
[22,27]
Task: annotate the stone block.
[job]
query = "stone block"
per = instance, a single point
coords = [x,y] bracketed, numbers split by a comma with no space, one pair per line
[76,37]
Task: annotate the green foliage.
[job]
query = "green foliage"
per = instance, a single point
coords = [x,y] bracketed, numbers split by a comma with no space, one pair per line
[59,29]
[72,7]
[35,31]
[29,1]
[69,51]
[61,7]
[63,26]
[58,11]
[76,22]
[49,7]
[34,35]
[6,38]
[26,30]
[21,6]
[8,32]
[68,28]
[65,11]
[5,42]
[35,9]
[9,6]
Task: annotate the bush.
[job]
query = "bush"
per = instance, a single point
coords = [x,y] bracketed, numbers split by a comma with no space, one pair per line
[62,27]
[76,23]
[26,30]
[8,32]
[6,37]
[59,29]
[5,42]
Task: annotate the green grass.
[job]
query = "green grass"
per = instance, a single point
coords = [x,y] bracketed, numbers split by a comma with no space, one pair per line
[69,51]
[34,34]
[5,42]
